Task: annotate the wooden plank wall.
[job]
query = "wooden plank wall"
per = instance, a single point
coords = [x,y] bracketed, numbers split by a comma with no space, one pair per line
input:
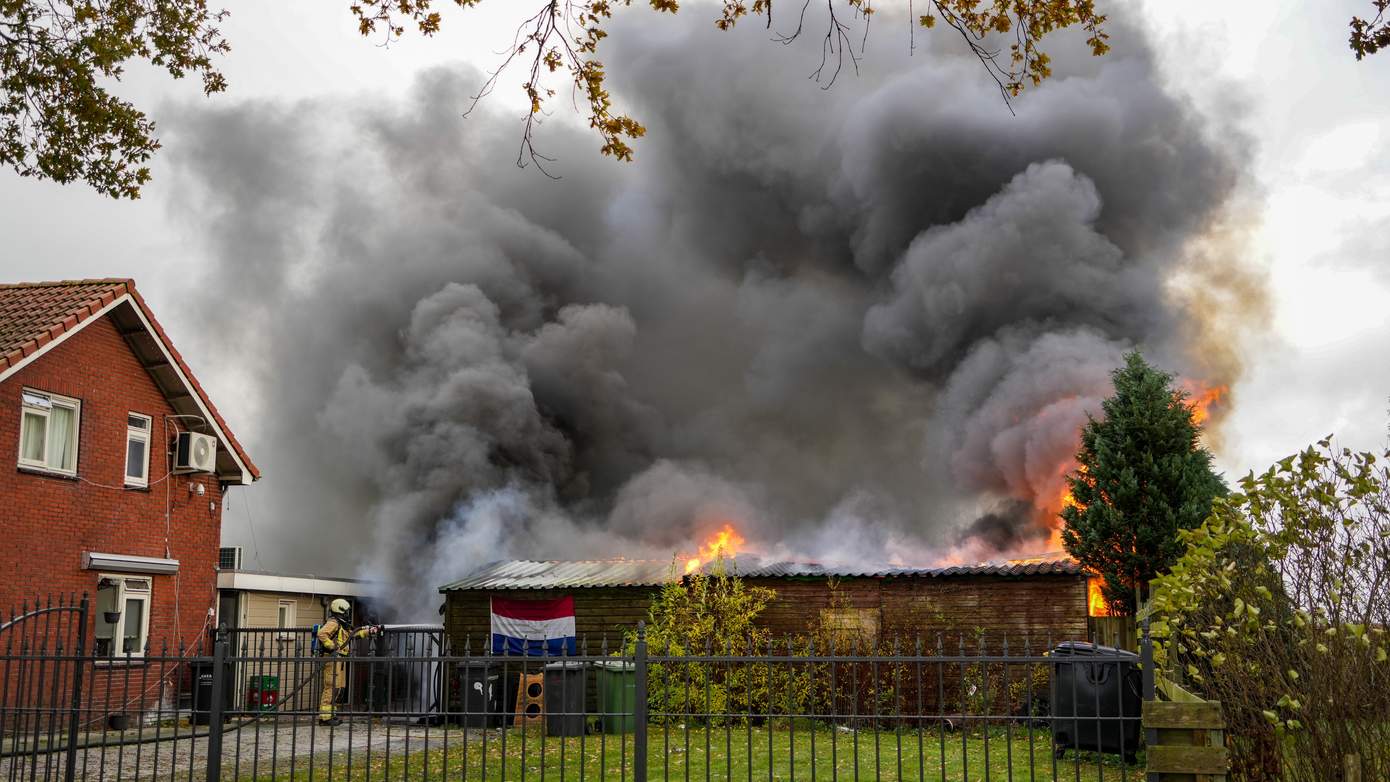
[1038,607]
[799,602]
[1121,632]
[599,613]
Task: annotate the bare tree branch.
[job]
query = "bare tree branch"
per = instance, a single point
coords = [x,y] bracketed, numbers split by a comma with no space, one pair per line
[566,34]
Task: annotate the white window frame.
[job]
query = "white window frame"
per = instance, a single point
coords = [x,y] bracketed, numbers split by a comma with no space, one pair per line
[128,588]
[53,400]
[290,608]
[135,434]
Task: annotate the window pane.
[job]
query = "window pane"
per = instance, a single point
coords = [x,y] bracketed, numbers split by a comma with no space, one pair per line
[106,602]
[135,459]
[134,620]
[137,422]
[36,400]
[282,618]
[62,438]
[33,433]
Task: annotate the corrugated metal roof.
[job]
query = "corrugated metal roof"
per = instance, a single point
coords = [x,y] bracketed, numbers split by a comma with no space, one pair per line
[1054,567]
[580,574]
[810,570]
[558,574]
[1057,567]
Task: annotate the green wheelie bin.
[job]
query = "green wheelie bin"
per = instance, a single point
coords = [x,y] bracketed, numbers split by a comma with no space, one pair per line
[617,695]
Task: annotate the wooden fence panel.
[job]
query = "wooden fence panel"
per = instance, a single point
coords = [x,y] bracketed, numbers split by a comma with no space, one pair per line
[1190,743]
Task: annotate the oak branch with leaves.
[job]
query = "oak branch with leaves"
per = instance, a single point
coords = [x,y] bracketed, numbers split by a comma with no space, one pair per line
[60,121]
[563,36]
[1370,35]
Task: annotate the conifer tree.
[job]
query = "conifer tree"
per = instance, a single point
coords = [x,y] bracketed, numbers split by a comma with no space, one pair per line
[1143,475]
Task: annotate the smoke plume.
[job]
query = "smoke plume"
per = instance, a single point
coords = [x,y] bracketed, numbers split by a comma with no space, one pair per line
[863,324]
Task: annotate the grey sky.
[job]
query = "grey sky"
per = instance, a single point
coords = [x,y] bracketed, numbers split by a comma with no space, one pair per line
[1281,69]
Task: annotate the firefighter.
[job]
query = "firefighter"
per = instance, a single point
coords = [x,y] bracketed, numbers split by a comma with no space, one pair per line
[335,643]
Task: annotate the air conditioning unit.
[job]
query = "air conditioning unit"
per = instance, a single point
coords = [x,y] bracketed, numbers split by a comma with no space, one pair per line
[229,558]
[195,452]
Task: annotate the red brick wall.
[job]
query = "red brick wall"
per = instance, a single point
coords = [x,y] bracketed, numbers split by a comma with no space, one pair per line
[48,521]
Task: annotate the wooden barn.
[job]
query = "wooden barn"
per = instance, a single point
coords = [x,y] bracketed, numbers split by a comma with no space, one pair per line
[1041,600]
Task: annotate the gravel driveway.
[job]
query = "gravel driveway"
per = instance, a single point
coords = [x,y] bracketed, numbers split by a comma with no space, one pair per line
[254,750]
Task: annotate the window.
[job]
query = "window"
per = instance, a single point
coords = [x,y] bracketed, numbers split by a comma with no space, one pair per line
[48,431]
[137,450]
[284,616]
[123,616]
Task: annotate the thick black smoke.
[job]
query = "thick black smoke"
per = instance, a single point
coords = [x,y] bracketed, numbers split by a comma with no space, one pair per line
[1005,529]
[855,321]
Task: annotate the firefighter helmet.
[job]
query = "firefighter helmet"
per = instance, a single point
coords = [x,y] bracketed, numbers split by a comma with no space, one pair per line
[339,607]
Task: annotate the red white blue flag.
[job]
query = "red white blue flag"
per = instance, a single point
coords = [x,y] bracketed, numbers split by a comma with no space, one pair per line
[533,627]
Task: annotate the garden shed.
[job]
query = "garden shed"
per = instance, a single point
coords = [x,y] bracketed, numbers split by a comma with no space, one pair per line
[1040,599]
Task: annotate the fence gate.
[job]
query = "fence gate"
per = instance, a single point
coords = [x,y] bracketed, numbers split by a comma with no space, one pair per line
[41,691]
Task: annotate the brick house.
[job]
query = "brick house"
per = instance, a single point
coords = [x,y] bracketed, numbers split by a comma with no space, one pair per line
[117,465]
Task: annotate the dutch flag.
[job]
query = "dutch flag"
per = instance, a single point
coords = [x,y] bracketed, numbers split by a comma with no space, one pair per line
[533,627]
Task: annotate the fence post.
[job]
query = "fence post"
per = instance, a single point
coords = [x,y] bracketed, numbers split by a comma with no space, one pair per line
[1351,768]
[216,706]
[1191,741]
[75,710]
[1146,659]
[639,707]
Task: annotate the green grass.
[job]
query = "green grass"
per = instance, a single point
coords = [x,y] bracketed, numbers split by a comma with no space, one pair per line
[785,754]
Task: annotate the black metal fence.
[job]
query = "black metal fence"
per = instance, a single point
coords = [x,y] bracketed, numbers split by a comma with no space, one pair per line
[247,705]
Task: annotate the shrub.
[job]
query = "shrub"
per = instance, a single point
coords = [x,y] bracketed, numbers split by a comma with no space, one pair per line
[1030,691]
[1279,609]
[707,612]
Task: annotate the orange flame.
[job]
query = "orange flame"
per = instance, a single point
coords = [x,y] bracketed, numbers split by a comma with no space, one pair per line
[1068,500]
[1095,599]
[1051,517]
[1202,397]
[1051,513]
[724,543]
[1055,495]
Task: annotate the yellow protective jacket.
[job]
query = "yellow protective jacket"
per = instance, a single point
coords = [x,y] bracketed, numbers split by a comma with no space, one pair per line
[335,639]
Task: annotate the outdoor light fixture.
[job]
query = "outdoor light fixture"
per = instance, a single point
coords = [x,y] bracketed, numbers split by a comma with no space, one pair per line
[127,563]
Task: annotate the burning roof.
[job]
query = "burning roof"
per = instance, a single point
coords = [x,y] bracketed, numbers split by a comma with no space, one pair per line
[581,574]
